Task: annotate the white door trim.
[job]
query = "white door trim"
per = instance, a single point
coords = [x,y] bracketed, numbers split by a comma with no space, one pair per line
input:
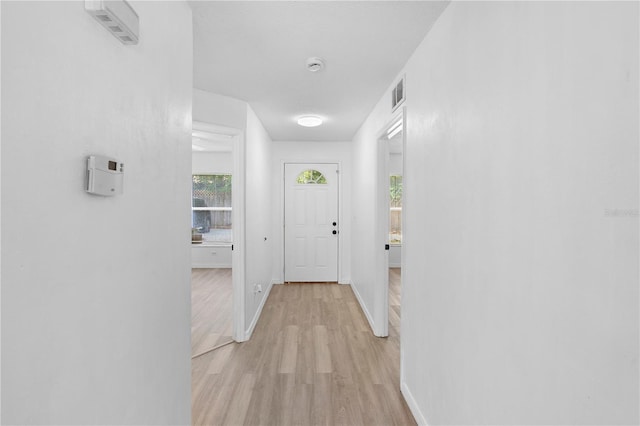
[239,239]
[381,220]
[238,220]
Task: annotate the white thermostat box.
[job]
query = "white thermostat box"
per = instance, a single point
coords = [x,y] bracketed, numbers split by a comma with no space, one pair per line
[104,175]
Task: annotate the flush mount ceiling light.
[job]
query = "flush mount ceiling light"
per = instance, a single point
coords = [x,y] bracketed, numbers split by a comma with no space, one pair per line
[315,64]
[310,121]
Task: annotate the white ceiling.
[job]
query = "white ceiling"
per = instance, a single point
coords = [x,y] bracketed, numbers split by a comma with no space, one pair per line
[256,51]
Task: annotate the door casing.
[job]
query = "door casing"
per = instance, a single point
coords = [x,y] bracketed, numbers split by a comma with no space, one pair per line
[238,252]
[381,220]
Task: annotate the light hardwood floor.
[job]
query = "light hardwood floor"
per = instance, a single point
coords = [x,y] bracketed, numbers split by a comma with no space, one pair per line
[394,303]
[312,360]
[211,297]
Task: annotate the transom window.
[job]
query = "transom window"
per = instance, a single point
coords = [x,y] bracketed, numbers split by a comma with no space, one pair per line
[311,177]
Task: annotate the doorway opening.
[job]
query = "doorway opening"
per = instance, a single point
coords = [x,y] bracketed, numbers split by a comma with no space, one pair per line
[216,229]
[389,219]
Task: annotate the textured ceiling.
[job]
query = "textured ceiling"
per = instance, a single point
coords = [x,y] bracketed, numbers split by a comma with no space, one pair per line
[256,52]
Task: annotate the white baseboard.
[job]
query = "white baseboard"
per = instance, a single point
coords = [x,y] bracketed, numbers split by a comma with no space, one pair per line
[276,281]
[256,317]
[413,405]
[364,308]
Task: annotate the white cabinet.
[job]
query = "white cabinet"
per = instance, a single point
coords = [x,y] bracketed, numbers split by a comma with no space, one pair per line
[210,256]
[395,256]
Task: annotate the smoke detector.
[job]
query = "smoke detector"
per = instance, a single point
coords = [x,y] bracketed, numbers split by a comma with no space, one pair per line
[315,64]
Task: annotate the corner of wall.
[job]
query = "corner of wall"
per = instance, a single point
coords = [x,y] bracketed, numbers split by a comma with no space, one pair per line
[258,199]
[218,109]
[413,405]
[364,307]
[249,332]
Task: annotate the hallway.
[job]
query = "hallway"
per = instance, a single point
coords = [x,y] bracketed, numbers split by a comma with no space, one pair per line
[311,360]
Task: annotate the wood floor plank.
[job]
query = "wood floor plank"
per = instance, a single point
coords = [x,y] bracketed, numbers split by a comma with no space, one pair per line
[239,403]
[322,412]
[339,345]
[312,360]
[219,359]
[211,306]
[305,367]
[345,405]
[317,291]
[282,405]
[336,292]
[357,317]
[290,350]
[260,410]
[301,410]
[321,347]
[393,402]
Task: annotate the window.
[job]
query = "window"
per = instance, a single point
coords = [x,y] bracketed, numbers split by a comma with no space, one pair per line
[395,213]
[311,177]
[211,208]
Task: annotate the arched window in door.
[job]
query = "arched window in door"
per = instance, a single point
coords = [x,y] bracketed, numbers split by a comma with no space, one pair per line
[311,177]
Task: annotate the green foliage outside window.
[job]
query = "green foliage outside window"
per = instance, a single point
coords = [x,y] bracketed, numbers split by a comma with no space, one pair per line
[212,208]
[395,213]
[395,191]
[311,177]
[214,189]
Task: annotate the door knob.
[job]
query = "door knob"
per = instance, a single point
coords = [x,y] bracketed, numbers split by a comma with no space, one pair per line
[334,223]
[334,232]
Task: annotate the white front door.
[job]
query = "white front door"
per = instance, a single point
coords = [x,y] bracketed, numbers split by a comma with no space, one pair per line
[310,222]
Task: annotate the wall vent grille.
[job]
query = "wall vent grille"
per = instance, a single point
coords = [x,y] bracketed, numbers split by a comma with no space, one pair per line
[397,95]
[117,16]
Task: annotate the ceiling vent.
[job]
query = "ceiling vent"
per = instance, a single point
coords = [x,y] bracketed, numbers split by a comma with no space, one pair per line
[397,95]
[117,16]
[315,64]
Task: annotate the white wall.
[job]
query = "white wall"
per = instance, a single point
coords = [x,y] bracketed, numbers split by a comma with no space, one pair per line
[365,249]
[520,287]
[395,164]
[0,218]
[212,162]
[218,109]
[95,291]
[312,152]
[259,199]
[256,202]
